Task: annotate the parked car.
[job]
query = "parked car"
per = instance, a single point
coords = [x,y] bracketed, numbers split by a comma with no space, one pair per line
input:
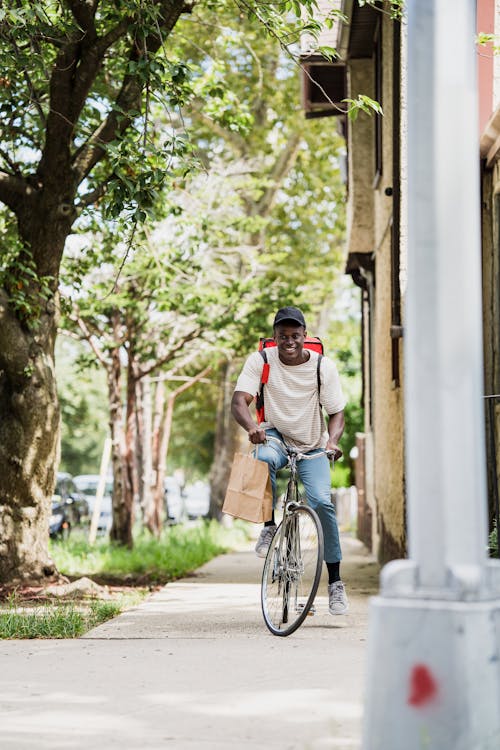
[175,506]
[69,507]
[87,485]
[197,499]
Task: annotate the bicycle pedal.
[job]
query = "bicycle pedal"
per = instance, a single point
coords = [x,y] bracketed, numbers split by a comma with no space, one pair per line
[300,608]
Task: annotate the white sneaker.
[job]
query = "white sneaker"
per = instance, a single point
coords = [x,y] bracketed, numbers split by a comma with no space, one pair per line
[264,540]
[338,604]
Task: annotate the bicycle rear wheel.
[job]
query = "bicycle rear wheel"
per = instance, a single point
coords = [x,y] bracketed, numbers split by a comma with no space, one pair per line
[292,571]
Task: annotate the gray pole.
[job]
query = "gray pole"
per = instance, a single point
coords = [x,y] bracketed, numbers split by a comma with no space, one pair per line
[434,631]
[444,379]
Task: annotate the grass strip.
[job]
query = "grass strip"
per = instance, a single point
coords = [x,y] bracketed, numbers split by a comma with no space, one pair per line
[178,551]
[54,621]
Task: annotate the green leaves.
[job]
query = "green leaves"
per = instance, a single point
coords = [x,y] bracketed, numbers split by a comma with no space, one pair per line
[330,53]
[28,292]
[396,7]
[482,39]
[228,206]
[363,103]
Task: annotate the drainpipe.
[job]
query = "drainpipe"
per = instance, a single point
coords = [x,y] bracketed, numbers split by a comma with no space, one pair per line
[433,677]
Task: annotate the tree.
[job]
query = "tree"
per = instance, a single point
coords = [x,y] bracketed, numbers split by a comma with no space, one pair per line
[268,199]
[184,285]
[70,125]
[85,66]
[155,321]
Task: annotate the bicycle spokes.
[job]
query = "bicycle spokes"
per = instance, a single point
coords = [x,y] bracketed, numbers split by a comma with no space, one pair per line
[292,571]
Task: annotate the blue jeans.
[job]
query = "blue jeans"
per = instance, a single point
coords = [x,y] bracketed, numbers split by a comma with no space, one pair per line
[315,476]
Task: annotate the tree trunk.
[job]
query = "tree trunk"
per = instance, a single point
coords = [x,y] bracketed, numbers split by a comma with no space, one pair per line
[29,408]
[154,516]
[117,438]
[29,444]
[126,491]
[162,429]
[227,441]
[144,440]
[163,434]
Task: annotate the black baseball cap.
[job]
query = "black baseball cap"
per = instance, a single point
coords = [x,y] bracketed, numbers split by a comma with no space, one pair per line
[289,314]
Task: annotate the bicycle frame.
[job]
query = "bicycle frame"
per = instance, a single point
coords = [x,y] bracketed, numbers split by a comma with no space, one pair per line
[287,566]
[294,456]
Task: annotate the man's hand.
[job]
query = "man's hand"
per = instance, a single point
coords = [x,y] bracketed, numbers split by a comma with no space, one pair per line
[335,430]
[331,446]
[256,435]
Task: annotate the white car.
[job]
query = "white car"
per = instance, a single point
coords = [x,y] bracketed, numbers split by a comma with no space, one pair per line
[197,499]
[175,507]
[87,485]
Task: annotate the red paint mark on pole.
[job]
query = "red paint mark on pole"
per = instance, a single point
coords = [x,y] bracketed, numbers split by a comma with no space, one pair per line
[423,686]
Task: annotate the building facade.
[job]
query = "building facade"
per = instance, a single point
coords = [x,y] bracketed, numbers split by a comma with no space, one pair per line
[372,48]
[488,22]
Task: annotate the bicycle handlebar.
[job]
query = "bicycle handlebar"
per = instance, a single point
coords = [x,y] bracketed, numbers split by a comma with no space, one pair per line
[292,451]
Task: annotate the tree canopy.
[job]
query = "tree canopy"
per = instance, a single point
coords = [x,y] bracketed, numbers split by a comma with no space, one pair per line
[98,101]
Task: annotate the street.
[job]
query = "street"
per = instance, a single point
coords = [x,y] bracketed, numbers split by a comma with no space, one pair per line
[194,666]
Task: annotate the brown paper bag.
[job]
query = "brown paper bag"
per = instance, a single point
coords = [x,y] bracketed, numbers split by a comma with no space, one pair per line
[249,494]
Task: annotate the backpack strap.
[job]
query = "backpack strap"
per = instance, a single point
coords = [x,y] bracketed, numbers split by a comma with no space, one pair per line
[318,375]
[259,399]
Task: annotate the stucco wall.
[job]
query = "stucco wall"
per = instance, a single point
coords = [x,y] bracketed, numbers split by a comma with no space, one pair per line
[370,210]
[360,219]
[388,397]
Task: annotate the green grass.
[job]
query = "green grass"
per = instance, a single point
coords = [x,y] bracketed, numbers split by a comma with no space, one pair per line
[54,620]
[180,550]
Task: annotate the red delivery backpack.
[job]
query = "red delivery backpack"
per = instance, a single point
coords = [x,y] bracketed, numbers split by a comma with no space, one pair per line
[310,342]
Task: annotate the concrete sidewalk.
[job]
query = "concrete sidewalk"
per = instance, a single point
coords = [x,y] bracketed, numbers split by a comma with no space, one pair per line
[195,667]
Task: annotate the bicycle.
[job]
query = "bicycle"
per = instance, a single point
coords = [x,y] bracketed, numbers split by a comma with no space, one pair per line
[292,569]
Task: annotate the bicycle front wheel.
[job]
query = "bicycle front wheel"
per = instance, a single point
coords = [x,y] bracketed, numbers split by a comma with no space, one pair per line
[292,571]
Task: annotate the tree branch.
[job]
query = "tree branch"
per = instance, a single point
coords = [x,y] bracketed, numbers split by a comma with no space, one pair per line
[83,13]
[5,156]
[234,139]
[75,70]
[34,96]
[129,97]
[13,189]
[88,337]
[281,168]
[190,382]
[93,195]
[171,352]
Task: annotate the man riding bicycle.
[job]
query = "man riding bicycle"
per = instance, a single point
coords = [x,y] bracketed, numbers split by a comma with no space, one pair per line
[294,414]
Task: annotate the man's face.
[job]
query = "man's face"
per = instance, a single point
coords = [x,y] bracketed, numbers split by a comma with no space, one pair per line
[289,339]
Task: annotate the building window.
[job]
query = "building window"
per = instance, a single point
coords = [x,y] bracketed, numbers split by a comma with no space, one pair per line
[324,86]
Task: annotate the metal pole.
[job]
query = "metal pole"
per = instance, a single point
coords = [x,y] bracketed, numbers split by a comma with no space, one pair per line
[445,418]
[432,632]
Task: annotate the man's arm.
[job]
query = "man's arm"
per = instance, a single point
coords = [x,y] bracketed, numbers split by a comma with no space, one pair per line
[240,411]
[335,430]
